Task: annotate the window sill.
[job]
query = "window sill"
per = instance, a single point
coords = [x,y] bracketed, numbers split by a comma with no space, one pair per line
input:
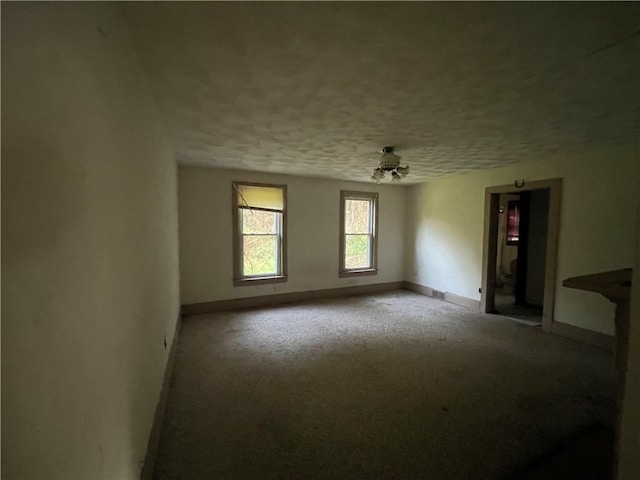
[357,273]
[243,282]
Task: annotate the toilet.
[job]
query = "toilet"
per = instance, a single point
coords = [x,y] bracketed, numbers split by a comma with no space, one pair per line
[509,279]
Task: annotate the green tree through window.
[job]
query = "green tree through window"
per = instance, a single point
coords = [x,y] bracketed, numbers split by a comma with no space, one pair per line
[358,233]
[260,239]
[260,231]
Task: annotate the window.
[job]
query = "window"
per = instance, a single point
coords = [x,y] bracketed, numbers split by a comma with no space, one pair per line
[358,233]
[260,224]
[513,222]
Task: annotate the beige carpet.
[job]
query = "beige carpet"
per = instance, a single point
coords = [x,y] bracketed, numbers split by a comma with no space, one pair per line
[392,386]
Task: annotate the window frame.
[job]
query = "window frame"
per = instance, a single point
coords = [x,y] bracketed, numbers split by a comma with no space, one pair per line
[512,225]
[239,279]
[373,199]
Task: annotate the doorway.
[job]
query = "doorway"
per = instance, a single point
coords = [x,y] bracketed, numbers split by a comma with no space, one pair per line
[520,250]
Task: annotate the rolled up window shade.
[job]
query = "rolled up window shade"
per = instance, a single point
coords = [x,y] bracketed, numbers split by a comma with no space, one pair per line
[260,198]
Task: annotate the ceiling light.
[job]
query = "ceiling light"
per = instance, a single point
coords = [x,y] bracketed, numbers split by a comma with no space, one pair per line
[389,162]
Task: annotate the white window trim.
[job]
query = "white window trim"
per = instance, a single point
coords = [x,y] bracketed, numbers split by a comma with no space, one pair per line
[239,279]
[373,254]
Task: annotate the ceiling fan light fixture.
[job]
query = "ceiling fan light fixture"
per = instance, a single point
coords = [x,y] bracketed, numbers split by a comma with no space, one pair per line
[377,175]
[403,171]
[389,162]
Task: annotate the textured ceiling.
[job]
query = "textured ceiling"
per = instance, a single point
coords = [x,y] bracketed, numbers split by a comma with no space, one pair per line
[317,89]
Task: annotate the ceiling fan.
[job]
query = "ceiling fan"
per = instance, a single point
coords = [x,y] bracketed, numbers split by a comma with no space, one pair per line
[389,162]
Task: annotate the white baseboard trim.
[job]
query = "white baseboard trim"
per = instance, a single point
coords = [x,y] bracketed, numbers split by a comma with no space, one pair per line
[597,339]
[421,289]
[158,419]
[466,302]
[282,298]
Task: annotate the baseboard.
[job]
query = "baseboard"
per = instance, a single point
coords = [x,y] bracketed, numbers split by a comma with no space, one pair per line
[158,419]
[466,302]
[282,298]
[597,339]
[421,289]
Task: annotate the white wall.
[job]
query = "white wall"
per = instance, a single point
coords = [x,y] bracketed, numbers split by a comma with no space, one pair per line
[598,206]
[89,246]
[313,209]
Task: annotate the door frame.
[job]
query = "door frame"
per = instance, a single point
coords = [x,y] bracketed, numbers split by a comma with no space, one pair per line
[490,244]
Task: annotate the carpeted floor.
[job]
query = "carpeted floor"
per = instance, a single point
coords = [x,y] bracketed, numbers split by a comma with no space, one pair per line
[391,386]
[505,306]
